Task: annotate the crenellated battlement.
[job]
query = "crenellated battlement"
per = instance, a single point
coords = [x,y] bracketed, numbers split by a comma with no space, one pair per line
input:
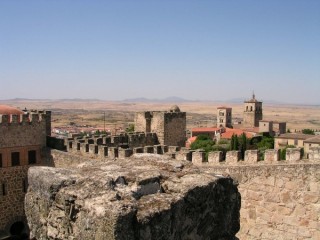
[128,144]
[29,128]
[30,117]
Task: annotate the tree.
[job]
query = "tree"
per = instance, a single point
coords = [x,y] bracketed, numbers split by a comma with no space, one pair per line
[308,131]
[203,142]
[130,128]
[234,143]
[264,144]
[243,144]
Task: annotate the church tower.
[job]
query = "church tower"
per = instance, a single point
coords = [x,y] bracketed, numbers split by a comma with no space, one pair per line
[252,112]
[224,117]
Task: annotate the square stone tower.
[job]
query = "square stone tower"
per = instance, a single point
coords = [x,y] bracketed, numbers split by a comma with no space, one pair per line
[224,117]
[252,113]
[23,136]
[170,126]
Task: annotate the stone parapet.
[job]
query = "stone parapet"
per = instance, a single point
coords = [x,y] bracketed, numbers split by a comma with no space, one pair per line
[138,150]
[215,157]
[125,153]
[148,149]
[112,152]
[251,156]
[198,157]
[102,151]
[93,149]
[272,156]
[233,157]
[314,153]
[293,154]
[184,155]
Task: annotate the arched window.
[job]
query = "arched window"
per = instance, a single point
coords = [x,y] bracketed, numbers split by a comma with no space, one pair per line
[251,109]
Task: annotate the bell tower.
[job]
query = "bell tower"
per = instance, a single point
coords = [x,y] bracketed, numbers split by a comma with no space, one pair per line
[252,112]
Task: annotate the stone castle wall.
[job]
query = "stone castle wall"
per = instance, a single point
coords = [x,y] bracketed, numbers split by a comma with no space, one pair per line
[24,130]
[170,127]
[277,201]
[174,129]
[13,186]
[22,139]
[276,195]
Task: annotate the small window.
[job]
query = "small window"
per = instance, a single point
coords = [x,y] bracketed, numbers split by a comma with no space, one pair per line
[296,142]
[3,189]
[0,160]
[15,159]
[32,157]
[25,185]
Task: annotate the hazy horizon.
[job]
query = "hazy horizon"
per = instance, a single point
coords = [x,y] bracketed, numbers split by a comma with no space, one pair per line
[196,50]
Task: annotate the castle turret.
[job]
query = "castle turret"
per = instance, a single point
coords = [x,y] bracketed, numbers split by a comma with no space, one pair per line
[170,126]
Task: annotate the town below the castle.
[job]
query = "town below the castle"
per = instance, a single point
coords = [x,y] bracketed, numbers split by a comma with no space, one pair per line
[160,174]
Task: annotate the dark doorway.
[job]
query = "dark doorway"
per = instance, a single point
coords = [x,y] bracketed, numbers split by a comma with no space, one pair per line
[17,228]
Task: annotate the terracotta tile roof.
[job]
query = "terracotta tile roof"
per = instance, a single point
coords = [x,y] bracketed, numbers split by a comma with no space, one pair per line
[204,129]
[230,131]
[7,110]
[190,141]
[223,107]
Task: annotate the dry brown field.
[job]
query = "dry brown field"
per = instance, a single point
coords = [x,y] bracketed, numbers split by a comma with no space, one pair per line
[119,114]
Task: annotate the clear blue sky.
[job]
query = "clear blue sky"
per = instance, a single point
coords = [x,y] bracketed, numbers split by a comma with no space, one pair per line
[212,50]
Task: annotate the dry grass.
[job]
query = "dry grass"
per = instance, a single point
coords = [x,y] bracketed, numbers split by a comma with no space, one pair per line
[198,113]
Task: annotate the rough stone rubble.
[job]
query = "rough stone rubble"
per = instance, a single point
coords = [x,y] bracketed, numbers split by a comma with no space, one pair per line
[144,197]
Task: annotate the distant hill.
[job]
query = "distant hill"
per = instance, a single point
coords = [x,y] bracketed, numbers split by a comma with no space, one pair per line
[165,100]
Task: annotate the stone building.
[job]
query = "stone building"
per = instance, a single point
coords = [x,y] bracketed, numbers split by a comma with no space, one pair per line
[224,117]
[274,128]
[252,113]
[22,138]
[170,126]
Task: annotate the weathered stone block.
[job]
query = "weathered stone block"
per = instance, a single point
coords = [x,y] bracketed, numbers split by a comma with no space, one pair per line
[157,149]
[314,153]
[184,155]
[98,141]
[127,200]
[272,156]
[112,152]
[70,145]
[215,157]
[102,151]
[93,148]
[84,147]
[138,150]
[251,156]
[89,140]
[293,154]
[148,149]
[198,157]
[125,153]
[173,149]
[232,157]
